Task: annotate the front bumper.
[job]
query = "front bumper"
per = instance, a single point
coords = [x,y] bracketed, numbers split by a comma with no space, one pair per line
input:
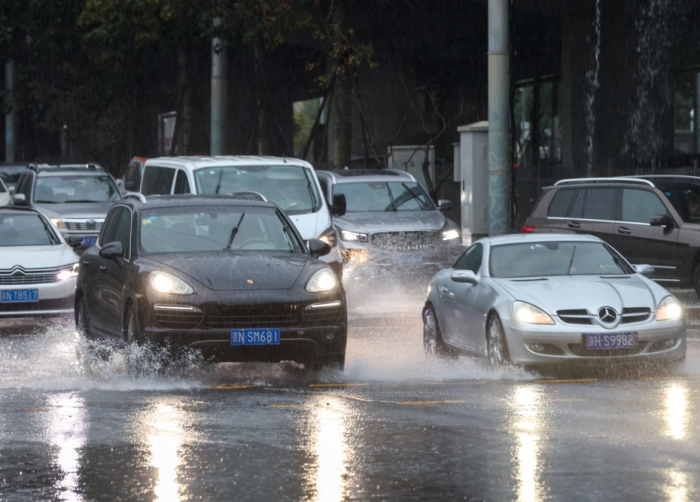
[55,298]
[562,344]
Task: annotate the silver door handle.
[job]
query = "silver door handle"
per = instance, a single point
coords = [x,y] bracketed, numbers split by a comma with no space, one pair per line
[103,267]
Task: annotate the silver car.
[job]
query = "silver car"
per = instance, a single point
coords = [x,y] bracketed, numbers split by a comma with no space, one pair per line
[546,299]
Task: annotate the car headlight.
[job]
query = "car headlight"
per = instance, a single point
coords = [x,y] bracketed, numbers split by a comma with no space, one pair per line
[322,281]
[67,273]
[668,309]
[167,283]
[329,236]
[352,236]
[448,235]
[57,222]
[531,314]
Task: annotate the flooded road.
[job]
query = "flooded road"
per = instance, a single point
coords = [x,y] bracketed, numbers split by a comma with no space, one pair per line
[391,427]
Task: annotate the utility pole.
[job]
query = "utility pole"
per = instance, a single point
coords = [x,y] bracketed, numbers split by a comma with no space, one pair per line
[11,116]
[696,115]
[499,134]
[219,85]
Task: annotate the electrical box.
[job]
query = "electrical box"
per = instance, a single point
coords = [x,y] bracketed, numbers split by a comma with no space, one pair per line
[410,158]
[474,176]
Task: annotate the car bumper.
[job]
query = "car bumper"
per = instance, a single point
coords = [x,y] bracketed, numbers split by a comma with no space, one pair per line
[55,298]
[557,344]
[441,255]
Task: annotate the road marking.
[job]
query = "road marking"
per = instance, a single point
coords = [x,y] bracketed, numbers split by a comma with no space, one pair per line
[287,405]
[580,380]
[448,401]
[234,387]
[338,385]
[36,410]
[573,400]
[454,383]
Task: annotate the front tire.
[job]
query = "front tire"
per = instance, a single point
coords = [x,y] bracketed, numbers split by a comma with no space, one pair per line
[82,321]
[132,333]
[496,343]
[433,344]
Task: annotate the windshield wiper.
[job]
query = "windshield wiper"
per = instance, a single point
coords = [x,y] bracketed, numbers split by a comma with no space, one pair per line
[218,184]
[234,231]
[311,190]
[571,261]
[408,189]
[391,197]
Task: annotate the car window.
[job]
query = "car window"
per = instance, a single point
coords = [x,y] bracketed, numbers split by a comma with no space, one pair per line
[182,186]
[216,228]
[132,179]
[293,188]
[324,187]
[157,180]
[686,201]
[471,259]
[640,206]
[118,229]
[2,188]
[380,196]
[25,230]
[542,259]
[11,174]
[561,202]
[25,186]
[75,189]
[600,204]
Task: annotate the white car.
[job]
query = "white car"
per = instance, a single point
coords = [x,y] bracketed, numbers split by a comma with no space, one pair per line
[38,268]
[290,183]
[5,195]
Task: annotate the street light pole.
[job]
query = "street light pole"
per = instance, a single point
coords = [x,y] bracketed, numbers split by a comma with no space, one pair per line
[218,94]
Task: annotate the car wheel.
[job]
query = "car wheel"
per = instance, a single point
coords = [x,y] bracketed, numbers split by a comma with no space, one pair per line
[82,321]
[335,363]
[696,279]
[433,344]
[497,347]
[132,334]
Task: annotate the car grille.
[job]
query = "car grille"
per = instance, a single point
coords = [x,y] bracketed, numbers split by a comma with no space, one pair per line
[405,241]
[280,315]
[321,316]
[178,320]
[19,276]
[90,225]
[582,316]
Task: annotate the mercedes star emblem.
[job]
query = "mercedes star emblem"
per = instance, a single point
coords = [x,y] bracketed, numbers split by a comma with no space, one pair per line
[607,315]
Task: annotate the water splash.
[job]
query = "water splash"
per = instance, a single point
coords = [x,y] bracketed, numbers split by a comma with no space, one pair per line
[593,85]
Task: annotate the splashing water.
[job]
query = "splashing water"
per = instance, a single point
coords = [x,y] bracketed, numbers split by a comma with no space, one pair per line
[593,84]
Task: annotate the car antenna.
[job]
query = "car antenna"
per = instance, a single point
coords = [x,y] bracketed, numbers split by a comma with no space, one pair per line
[284,157]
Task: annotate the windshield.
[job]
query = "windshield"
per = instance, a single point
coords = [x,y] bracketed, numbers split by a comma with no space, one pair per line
[25,230]
[542,259]
[10,174]
[686,201]
[216,228]
[76,188]
[293,188]
[374,196]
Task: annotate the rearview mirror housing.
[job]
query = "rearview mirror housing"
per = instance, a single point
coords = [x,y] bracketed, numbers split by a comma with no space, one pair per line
[112,250]
[444,205]
[645,270]
[19,199]
[318,248]
[339,206]
[464,277]
[75,241]
[662,220]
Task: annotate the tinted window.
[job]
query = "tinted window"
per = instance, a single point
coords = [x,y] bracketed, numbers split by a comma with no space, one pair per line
[324,187]
[25,230]
[577,207]
[118,228]
[25,186]
[132,179]
[75,189]
[640,206]
[2,188]
[182,186]
[561,202]
[379,196]
[686,200]
[471,259]
[600,204]
[157,180]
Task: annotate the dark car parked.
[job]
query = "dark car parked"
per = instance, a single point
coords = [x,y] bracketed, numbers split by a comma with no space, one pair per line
[651,219]
[224,274]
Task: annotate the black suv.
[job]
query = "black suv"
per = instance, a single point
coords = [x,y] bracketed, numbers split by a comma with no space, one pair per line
[652,219]
[75,197]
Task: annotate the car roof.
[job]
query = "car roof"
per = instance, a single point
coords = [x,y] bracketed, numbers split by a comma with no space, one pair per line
[194,163]
[364,175]
[536,237]
[192,200]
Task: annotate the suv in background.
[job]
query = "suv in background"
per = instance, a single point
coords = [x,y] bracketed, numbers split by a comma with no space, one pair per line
[290,183]
[652,219]
[76,197]
[389,218]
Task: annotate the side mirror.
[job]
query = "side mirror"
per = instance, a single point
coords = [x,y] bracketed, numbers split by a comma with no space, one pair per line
[75,241]
[112,250]
[645,270]
[662,220]
[464,277]
[130,186]
[11,190]
[19,199]
[339,206]
[444,205]
[318,248]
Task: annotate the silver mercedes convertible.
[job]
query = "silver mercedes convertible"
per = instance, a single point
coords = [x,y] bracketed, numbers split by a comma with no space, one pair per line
[542,299]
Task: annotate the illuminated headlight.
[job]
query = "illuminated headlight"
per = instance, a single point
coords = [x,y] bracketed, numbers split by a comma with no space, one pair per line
[531,314]
[167,283]
[448,235]
[68,272]
[322,281]
[668,309]
[57,222]
[352,236]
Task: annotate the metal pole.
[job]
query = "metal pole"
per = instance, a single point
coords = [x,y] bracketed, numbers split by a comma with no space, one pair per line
[696,115]
[218,94]
[499,164]
[11,116]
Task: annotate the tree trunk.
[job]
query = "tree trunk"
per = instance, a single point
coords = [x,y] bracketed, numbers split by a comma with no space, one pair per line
[265,131]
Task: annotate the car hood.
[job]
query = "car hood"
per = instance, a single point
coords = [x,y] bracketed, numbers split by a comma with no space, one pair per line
[76,210]
[31,257]
[577,292]
[391,221]
[226,271]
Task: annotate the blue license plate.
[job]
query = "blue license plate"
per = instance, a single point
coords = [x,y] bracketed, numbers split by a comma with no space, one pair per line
[610,341]
[89,241]
[19,295]
[408,259]
[260,336]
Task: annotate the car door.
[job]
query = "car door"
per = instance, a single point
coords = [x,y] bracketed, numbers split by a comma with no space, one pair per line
[459,300]
[593,212]
[96,266]
[640,242]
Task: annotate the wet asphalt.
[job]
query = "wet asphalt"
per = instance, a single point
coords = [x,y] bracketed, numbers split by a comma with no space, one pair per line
[390,427]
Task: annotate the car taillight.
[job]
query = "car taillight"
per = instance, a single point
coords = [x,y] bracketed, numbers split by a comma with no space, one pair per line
[527,229]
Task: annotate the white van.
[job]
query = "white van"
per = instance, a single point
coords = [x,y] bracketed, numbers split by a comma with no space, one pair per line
[291,183]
